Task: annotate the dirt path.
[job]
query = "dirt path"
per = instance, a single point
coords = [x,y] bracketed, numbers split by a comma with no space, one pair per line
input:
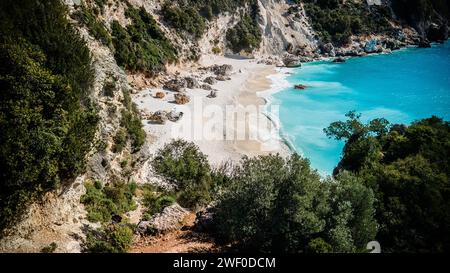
[180,241]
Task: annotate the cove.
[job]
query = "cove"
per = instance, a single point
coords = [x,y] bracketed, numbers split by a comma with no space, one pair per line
[403,86]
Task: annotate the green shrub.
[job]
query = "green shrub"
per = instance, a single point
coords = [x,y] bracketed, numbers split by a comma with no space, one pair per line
[335,21]
[185,19]
[108,88]
[102,203]
[114,238]
[96,28]
[407,167]
[245,35]
[155,201]
[50,248]
[47,121]
[141,46]
[133,125]
[272,204]
[120,141]
[188,169]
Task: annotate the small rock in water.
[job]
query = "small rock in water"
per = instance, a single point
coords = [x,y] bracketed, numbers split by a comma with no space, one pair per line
[300,87]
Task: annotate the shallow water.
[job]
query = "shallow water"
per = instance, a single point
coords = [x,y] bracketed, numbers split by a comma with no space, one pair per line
[404,86]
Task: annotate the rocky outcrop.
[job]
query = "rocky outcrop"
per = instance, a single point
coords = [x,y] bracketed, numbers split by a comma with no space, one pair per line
[219,70]
[191,82]
[210,80]
[176,85]
[292,61]
[161,117]
[438,33]
[169,219]
[373,46]
[285,28]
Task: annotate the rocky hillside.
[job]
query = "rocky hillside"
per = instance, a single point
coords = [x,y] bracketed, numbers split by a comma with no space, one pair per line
[131,45]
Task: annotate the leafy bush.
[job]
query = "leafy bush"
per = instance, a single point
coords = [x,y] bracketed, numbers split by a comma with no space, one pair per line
[96,28]
[120,141]
[245,35]
[336,21]
[155,201]
[50,248]
[132,123]
[141,46]
[277,205]
[408,169]
[102,203]
[47,122]
[185,19]
[187,168]
[114,238]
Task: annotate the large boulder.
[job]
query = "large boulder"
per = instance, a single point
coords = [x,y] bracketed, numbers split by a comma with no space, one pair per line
[159,117]
[182,98]
[174,116]
[191,83]
[170,219]
[328,49]
[291,61]
[177,84]
[210,80]
[221,70]
[206,87]
[160,95]
[372,46]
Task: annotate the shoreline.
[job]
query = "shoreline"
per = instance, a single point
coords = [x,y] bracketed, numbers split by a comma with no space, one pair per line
[247,79]
[250,83]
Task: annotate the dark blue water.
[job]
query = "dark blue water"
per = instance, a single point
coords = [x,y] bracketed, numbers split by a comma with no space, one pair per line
[404,86]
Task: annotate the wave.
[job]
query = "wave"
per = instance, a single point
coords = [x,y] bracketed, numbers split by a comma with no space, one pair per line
[279,83]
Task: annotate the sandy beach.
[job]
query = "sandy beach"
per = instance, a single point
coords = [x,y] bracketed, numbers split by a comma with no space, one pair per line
[250,134]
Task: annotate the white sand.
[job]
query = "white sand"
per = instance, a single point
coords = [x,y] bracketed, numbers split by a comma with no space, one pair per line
[247,79]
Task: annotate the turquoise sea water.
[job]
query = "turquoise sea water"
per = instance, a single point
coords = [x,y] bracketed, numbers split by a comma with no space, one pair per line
[404,86]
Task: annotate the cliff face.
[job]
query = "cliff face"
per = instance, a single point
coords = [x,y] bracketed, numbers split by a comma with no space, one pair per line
[285,27]
[429,17]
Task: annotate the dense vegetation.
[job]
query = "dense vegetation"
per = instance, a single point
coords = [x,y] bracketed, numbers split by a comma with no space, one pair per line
[104,202]
[112,238]
[277,205]
[47,122]
[245,35]
[408,168]
[415,11]
[392,185]
[141,46]
[420,13]
[336,20]
[107,205]
[190,17]
[182,164]
[96,28]
[185,19]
